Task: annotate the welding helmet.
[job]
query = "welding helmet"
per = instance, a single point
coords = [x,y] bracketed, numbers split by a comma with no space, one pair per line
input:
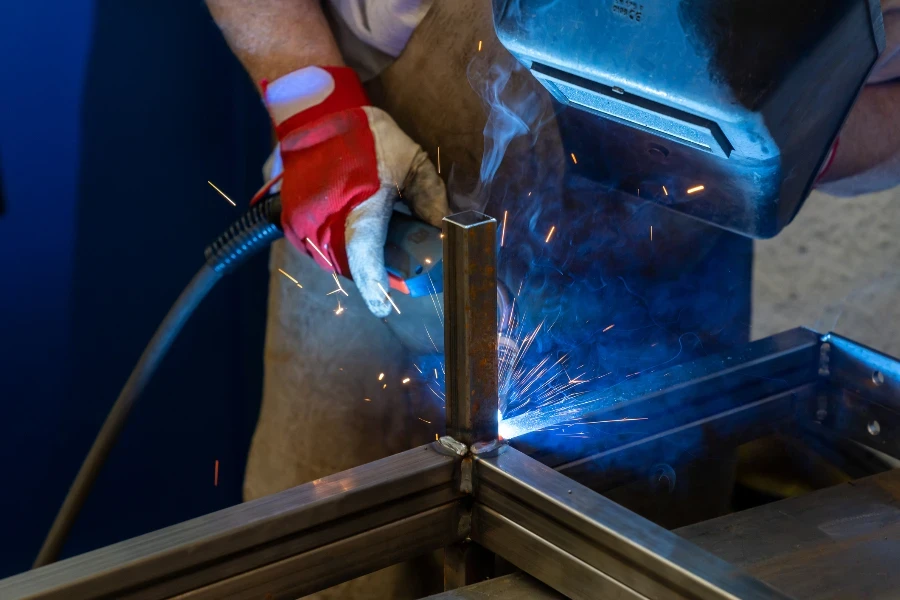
[724,110]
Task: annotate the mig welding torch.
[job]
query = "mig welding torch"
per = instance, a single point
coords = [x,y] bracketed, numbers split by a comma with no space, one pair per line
[410,254]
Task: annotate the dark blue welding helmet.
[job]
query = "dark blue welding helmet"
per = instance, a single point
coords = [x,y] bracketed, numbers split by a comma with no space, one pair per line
[724,110]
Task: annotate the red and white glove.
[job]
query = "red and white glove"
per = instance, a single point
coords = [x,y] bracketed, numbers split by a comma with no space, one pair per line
[343,163]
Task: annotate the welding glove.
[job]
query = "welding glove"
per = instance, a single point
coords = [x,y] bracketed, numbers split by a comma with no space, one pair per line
[342,165]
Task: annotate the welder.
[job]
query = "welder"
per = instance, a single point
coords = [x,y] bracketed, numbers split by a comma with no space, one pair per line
[334,392]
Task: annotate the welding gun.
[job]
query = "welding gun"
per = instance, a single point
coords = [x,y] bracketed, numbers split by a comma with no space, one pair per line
[412,256]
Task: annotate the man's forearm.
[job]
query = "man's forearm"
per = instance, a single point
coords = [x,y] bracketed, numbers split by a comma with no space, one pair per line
[868,155]
[274,37]
[870,139]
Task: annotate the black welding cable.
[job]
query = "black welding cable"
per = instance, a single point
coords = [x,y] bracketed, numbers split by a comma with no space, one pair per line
[253,232]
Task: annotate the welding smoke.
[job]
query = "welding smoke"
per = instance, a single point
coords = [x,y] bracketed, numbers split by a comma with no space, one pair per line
[514,108]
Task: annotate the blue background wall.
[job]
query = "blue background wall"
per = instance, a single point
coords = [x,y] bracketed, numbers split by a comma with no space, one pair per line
[113,115]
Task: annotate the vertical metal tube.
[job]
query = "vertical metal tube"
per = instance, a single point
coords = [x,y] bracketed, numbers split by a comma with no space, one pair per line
[470,326]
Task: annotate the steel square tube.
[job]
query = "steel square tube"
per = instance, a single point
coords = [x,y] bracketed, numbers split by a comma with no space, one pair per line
[325,566]
[470,326]
[638,554]
[862,370]
[745,423]
[699,388]
[544,560]
[251,535]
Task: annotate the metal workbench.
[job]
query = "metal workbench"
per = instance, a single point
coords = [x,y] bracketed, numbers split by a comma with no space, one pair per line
[475,496]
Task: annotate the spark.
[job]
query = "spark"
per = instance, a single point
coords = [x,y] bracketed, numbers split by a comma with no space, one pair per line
[221,192]
[439,160]
[406,380]
[399,193]
[340,308]
[340,288]
[417,367]
[367,399]
[623,420]
[550,235]
[438,307]
[381,376]
[423,420]
[436,437]
[479,45]
[503,231]
[427,261]
[435,373]
[442,236]
[432,340]
[384,387]
[696,188]
[388,296]
[608,328]
[574,160]
[665,191]
[316,248]
[651,233]
[216,475]
[291,278]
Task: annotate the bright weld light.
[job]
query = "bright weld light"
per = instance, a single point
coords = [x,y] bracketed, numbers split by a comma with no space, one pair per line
[696,188]
[316,248]
[388,296]
[221,192]
[503,428]
[291,278]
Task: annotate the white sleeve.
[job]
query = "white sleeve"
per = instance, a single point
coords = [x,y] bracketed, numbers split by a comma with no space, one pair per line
[887,68]
[382,24]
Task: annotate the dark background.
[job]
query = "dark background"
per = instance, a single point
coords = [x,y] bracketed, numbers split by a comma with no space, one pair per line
[113,115]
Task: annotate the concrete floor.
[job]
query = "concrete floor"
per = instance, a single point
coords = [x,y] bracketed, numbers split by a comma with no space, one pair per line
[835,268]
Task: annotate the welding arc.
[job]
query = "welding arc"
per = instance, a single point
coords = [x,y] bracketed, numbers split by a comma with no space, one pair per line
[253,232]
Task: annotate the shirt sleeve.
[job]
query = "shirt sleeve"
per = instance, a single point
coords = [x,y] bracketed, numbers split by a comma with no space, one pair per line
[385,25]
[887,67]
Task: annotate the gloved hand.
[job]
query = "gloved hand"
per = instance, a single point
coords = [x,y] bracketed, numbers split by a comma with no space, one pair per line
[343,164]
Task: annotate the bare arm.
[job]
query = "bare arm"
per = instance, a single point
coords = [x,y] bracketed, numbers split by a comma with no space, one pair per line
[272,38]
[868,156]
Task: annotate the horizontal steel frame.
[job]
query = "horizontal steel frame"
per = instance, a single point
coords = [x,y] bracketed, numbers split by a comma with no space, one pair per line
[288,544]
[555,529]
[587,546]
